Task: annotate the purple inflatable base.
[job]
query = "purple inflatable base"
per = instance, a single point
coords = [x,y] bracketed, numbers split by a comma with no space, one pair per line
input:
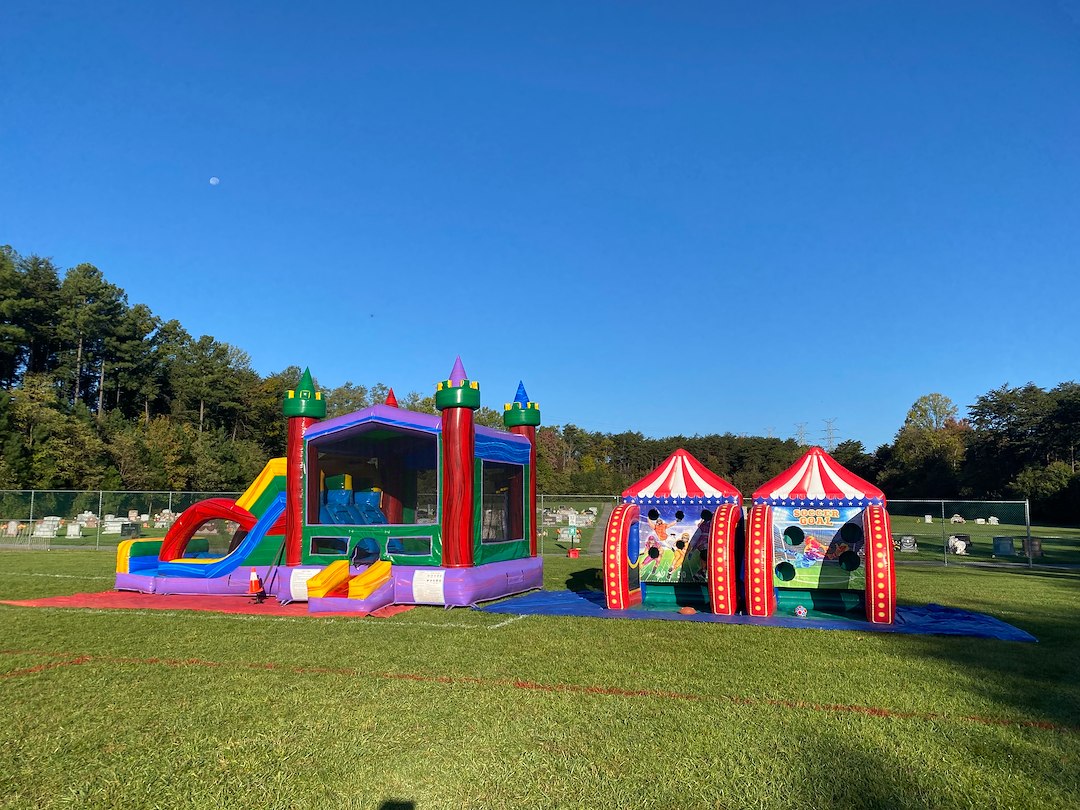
[466,587]
[234,584]
[409,585]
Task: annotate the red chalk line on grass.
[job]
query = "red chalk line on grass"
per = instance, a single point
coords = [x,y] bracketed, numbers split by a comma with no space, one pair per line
[71,659]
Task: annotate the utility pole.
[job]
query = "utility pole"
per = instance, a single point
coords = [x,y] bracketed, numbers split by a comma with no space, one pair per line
[830,434]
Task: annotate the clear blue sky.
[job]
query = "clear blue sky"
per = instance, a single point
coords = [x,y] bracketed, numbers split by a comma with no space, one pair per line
[666,217]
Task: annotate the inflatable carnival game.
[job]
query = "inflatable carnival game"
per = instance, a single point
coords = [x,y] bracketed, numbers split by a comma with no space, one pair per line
[818,541]
[671,544]
[378,507]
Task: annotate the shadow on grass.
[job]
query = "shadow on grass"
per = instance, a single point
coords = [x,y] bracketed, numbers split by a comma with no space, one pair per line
[584,579]
[853,775]
[397,804]
[1036,680]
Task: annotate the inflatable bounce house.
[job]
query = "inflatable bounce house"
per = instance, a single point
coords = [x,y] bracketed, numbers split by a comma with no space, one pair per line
[817,538]
[382,506]
[671,544]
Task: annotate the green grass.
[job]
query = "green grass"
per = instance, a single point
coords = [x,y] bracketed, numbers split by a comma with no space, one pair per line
[464,709]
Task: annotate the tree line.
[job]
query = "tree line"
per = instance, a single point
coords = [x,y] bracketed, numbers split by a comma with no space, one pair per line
[99,393]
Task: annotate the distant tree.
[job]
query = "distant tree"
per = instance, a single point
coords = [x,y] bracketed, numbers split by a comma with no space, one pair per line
[851,454]
[38,312]
[1042,483]
[929,450]
[13,334]
[90,308]
[1008,434]
[130,351]
[1062,426]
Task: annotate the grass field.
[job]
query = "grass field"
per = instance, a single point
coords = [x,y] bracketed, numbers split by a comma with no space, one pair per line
[435,708]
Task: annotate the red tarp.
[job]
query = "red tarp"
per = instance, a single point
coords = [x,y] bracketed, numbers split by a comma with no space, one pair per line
[126,600]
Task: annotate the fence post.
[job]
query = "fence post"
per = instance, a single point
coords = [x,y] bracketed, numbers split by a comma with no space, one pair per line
[170,502]
[944,540]
[100,515]
[1027,522]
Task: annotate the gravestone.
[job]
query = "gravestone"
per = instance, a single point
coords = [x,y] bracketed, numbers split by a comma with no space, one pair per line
[1004,547]
[908,545]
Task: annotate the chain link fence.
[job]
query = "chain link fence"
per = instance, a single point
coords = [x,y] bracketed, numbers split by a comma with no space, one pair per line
[949,532]
[568,522]
[941,531]
[56,519]
[955,532]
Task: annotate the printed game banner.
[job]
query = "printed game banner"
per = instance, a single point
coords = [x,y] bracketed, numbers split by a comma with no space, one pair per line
[818,547]
[673,543]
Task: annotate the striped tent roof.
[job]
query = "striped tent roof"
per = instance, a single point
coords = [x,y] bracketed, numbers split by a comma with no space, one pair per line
[681,477]
[818,478]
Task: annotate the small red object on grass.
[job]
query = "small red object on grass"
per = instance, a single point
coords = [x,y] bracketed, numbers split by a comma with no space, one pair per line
[573,553]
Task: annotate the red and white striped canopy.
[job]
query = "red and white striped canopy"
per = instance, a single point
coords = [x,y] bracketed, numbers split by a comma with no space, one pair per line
[818,477]
[682,478]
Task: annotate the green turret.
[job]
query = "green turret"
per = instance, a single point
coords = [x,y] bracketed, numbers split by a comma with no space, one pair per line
[521,412]
[457,392]
[305,400]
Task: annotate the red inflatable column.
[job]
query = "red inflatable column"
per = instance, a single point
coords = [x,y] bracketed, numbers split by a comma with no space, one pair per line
[880,571]
[760,597]
[456,399]
[303,407]
[522,417]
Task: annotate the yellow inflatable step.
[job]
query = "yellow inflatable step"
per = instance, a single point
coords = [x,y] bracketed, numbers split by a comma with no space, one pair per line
[363,585]
[329,578]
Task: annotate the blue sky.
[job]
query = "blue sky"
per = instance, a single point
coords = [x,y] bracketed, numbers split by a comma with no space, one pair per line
[665,217]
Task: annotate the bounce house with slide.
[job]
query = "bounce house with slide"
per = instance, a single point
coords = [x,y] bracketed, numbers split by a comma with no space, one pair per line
[378,507]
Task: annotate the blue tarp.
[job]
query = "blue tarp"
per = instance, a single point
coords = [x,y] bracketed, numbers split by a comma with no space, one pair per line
[923,620]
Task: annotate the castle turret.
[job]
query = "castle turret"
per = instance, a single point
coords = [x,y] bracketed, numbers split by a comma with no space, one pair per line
[303,406]
[523,417]
[456,399]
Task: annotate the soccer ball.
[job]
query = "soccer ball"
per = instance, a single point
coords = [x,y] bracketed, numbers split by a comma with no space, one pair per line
[800,611]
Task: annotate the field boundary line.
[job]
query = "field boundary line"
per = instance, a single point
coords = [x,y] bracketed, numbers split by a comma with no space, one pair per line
[511,620]
[69,658]
[251,617]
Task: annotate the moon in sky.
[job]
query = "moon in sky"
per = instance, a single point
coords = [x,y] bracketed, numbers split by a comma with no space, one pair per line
[214,181]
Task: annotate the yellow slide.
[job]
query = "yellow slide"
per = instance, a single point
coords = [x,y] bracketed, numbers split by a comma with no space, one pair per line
[275,468]
[363,585]
[329,578]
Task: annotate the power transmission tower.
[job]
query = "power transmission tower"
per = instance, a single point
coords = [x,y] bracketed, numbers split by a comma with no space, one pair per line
[800,433]
[830,434]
